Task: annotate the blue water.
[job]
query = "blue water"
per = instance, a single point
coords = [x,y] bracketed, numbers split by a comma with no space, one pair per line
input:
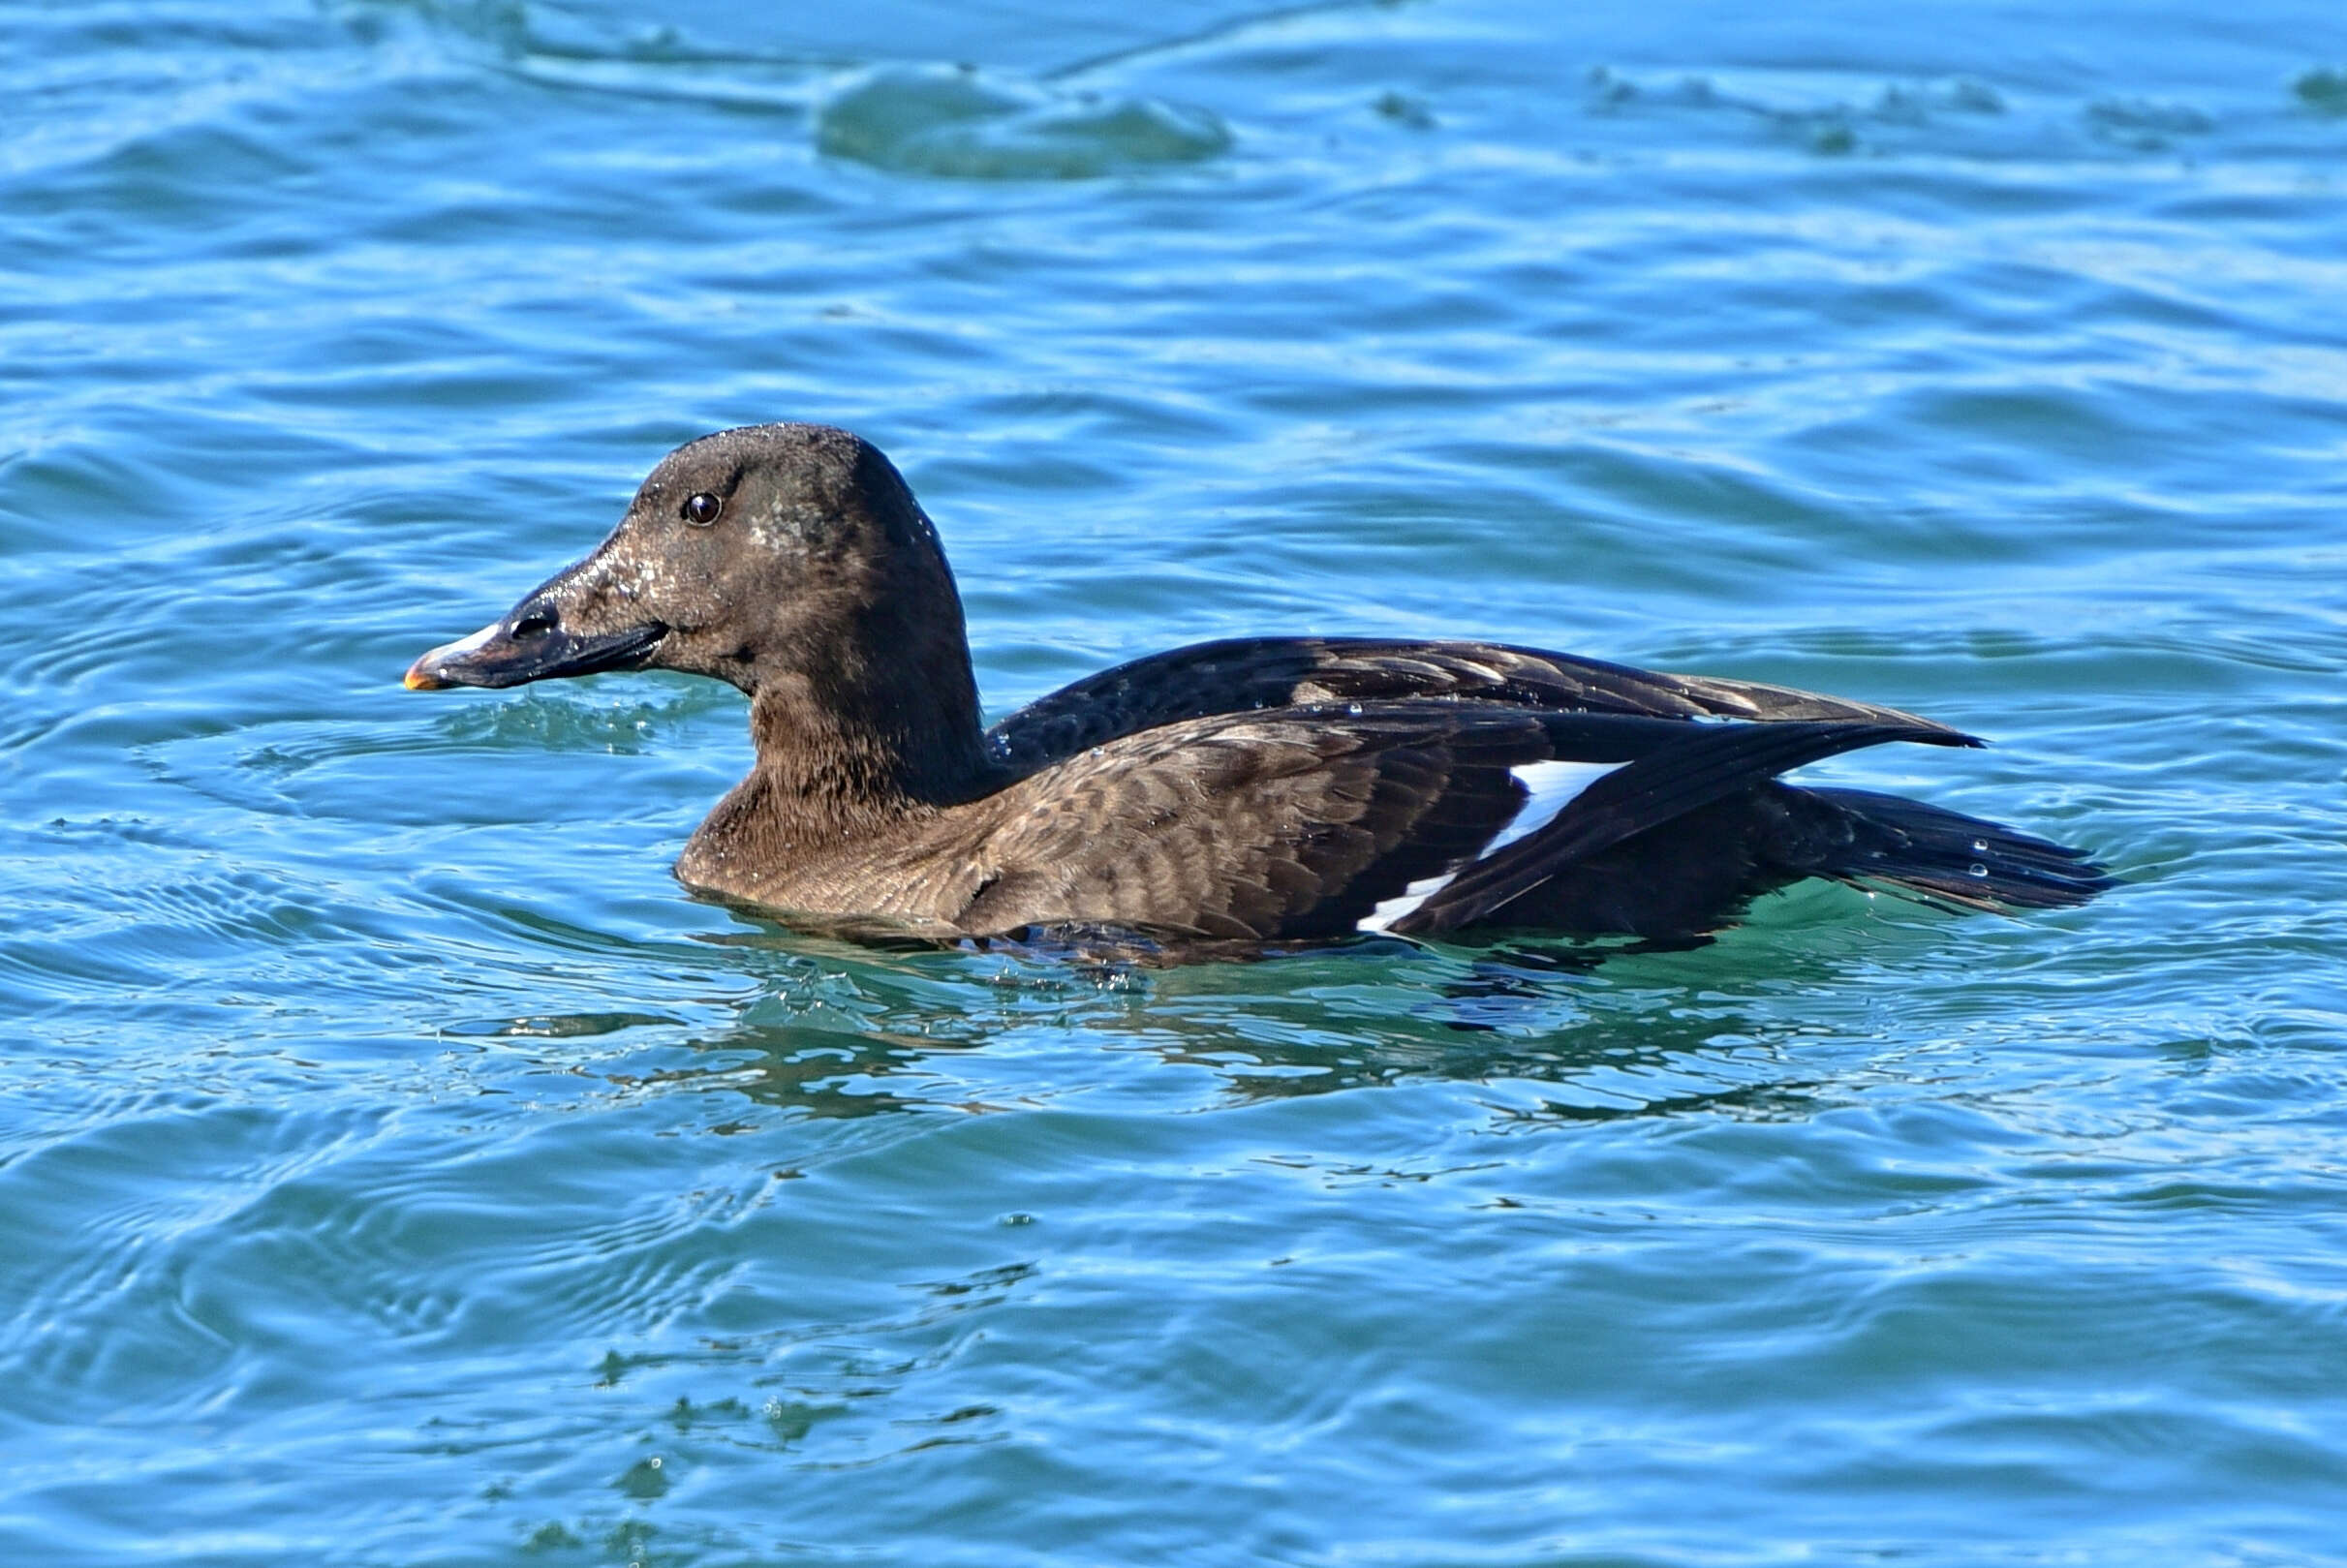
[397,1168]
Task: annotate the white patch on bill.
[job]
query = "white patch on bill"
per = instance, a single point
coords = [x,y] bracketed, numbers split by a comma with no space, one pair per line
[465,645]
[1549,788]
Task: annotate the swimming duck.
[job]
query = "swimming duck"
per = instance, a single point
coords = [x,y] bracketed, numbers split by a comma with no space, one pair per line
[1254,791]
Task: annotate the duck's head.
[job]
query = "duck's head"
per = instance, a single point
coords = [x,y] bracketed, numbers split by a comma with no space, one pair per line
[762,553]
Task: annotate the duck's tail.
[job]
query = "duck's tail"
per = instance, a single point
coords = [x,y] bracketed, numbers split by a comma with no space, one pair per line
[1938,855]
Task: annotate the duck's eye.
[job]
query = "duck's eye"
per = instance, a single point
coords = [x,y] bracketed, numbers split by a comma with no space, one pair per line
[701,510]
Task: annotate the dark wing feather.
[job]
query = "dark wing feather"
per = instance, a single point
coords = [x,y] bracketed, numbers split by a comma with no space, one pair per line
[1691,767]
[1283,825]
[1242,675]
[1296,823]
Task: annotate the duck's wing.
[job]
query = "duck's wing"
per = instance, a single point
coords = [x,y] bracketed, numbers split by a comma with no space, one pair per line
[1319,822]
[1249,674]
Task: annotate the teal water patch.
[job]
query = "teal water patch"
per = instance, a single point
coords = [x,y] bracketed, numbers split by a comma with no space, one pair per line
[2322,90]
[397,1166]
[954,121]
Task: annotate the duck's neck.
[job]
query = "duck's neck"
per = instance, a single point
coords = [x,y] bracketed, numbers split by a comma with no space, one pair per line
[845,755]
[866,755]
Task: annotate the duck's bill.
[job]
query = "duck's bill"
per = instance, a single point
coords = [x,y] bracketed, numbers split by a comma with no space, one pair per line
[496,656]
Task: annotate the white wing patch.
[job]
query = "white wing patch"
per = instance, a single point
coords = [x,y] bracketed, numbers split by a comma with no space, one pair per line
[1389,911]
[1554,786]
[1549,788]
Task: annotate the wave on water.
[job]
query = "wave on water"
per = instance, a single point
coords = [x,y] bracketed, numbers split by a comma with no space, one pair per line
[959,122]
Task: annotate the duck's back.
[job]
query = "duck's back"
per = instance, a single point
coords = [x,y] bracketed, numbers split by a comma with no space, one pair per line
[1253,674]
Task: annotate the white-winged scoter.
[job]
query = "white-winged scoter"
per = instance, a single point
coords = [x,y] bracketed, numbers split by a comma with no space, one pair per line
[1236,794]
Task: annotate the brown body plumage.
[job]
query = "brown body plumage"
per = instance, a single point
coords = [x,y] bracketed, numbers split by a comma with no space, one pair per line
[1251,791]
